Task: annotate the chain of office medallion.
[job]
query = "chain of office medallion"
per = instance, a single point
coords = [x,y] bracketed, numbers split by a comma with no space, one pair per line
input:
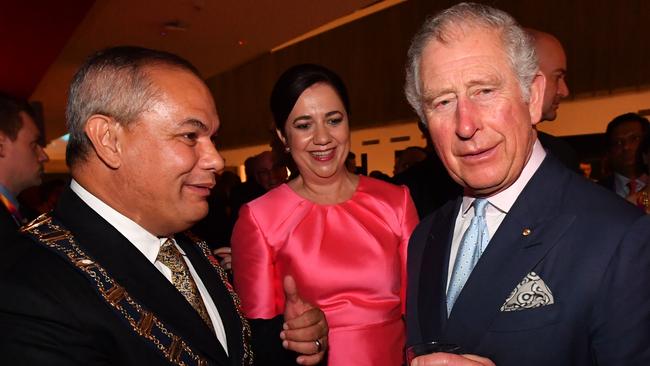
[115,294]
[248,356]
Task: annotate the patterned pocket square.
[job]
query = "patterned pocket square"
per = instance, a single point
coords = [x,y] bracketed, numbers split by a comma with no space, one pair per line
[530,293]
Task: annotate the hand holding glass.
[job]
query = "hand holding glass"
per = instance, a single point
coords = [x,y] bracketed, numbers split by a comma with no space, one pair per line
[426,348]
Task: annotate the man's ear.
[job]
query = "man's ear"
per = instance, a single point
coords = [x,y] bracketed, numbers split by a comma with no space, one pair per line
[536,101]
[102,131]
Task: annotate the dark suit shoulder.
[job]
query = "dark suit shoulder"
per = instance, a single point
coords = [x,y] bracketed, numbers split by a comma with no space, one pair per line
[607,182]
[561,149]
[8,225]
[589,198]
[55,317]
[22,255]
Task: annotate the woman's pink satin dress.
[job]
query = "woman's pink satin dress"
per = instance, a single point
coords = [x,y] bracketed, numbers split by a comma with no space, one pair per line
[349,259]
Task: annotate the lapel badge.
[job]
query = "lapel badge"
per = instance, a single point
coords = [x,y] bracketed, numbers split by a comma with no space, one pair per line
[526,232]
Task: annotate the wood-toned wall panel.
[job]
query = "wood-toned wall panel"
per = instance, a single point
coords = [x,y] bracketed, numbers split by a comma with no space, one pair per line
[607,45]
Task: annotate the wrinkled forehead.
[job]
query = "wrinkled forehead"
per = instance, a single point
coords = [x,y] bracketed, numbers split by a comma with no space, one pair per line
[452,32]
[470,50]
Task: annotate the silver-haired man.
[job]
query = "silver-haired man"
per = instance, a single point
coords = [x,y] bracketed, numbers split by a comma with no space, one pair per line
[533,265]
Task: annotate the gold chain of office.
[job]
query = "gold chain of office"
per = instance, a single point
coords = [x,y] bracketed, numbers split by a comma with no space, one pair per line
[46,231]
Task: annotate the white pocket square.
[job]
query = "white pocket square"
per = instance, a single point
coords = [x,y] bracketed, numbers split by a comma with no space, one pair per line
[530,293]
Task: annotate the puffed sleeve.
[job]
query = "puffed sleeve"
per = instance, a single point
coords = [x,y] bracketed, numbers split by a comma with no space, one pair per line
[409,221]
[259,289]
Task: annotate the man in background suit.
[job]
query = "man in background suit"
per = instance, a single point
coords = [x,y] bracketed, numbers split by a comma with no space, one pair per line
[109,278]
[533,265]
[429,183]
[624,135]
[21,159]
[552,63]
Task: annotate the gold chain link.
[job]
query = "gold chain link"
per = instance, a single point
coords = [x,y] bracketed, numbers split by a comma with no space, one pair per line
[84,263]
[247,359]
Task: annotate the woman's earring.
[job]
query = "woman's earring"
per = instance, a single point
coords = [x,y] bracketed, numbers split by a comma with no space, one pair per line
[287,149]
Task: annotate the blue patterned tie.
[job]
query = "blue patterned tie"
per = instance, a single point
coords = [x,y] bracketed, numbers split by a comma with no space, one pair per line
[474,241]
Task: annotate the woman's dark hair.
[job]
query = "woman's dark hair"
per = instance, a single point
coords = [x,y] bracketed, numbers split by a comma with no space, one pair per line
[293,82]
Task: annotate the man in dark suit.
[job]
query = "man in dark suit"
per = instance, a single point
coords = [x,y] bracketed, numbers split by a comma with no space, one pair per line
[428,181]
[552,63]
[110,278]
[533,265]
[624,135]
[21,159]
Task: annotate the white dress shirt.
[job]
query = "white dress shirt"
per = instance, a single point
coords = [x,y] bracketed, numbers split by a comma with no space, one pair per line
[621,184]
[497,207]
[149,245]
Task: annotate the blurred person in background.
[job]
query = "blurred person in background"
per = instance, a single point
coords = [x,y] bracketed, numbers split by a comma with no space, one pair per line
[641,198]
[624,134]
[21,160]
[552,63]
[409,157]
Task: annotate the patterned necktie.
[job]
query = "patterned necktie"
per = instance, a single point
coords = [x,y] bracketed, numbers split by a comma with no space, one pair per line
[182,279]
[474,241]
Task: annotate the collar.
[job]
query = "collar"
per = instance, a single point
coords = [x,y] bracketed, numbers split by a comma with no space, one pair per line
[504,200]
[147,243]
[622,181]
[9,196]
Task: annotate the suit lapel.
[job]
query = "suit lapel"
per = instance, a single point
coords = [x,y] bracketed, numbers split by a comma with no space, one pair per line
[220,296]
[433,272]
[510,255]
[138,276]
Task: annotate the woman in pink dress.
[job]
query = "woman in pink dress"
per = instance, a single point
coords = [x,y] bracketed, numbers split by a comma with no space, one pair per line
[342,237]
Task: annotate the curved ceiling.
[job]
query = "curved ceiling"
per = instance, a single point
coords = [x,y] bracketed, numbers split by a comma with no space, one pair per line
[43,42]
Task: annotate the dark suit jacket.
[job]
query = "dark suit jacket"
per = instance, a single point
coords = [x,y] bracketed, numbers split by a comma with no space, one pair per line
[561,150]
[429,184]
[8,225]
[51,315]
[608,182]
[591,248]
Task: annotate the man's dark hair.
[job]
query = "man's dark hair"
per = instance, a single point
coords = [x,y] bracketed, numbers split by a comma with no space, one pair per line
[10,121]
[627,117]
[113,82]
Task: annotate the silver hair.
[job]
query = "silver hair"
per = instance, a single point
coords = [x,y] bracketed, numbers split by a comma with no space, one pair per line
[113,82]
[517,44]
